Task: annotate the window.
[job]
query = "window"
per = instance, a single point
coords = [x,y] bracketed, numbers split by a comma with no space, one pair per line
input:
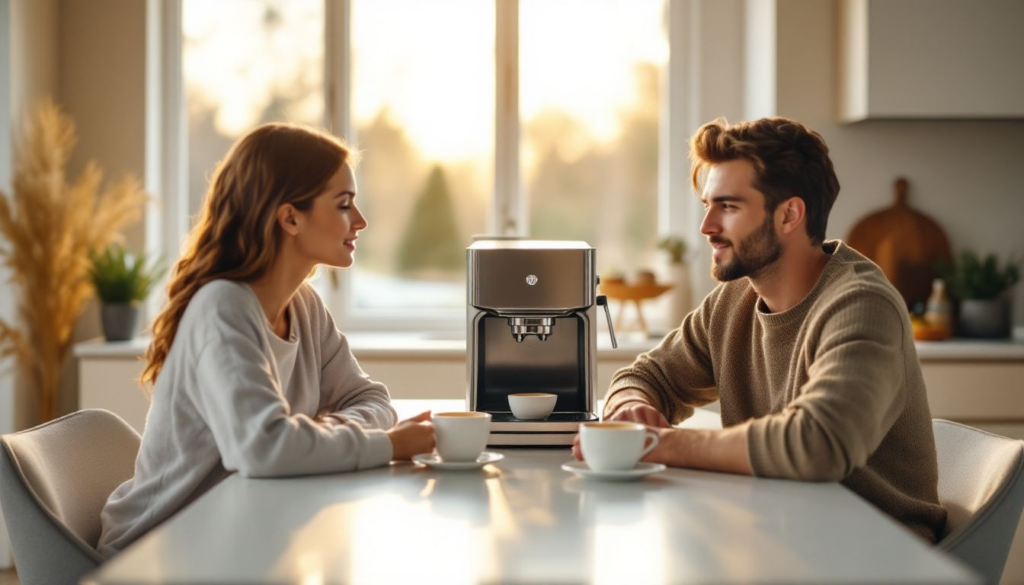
[589,104]
[422,107]
[538,118]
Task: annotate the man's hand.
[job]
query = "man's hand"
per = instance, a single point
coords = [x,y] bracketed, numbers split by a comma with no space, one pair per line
[641,412]
[411,437]
[711,449]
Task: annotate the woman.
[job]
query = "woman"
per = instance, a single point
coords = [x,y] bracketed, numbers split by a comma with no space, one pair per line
[249,372]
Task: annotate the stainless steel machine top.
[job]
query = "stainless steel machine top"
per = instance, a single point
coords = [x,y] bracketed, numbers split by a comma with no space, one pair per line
[531,276]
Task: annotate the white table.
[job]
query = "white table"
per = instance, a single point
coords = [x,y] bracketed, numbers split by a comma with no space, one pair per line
[526,520]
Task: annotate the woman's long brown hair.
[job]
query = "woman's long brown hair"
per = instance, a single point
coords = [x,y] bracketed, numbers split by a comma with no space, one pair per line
[237,236]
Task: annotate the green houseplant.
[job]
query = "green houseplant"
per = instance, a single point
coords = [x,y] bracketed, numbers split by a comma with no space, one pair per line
[981,285]
[122,281]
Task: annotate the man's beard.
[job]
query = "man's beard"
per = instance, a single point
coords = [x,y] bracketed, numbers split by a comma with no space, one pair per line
[755,252]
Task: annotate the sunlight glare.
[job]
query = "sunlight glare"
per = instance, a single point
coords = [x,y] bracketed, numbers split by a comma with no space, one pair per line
[435,66]
[449,550]
[578,57]
[241,55]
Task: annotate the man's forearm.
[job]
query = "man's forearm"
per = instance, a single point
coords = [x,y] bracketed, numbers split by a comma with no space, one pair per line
[620,398]
[723,450]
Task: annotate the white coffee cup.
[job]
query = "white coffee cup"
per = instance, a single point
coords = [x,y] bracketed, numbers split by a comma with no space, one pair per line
[532,405]
[461,436]
[615,445]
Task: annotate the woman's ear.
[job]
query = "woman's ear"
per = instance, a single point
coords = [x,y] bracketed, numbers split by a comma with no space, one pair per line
[288,219]
[793,212]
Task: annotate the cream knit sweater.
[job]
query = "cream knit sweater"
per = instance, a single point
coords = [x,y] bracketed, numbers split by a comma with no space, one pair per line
[833,385]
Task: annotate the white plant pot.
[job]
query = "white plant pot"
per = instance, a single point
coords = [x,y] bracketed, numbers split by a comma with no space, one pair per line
[681,295]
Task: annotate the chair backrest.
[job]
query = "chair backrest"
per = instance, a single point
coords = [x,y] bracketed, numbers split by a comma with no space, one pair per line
[54,481]
[981,485]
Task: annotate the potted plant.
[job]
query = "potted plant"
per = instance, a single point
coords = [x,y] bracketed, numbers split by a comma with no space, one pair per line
[679,277]
[982,285]
[122,281]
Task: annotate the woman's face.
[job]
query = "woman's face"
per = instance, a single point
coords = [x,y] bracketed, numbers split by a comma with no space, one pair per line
[330,227]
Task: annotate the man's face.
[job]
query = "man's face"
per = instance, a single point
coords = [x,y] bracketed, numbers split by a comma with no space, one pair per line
[740,231]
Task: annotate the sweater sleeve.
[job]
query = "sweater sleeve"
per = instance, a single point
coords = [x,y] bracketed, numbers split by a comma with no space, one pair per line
[853,396]
[251,422]
[346,390]
[677,375]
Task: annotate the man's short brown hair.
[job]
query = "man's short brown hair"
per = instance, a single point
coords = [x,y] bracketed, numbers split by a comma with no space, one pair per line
[789,159]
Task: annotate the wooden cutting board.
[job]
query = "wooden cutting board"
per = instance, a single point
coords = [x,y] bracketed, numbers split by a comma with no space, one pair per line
[905,243]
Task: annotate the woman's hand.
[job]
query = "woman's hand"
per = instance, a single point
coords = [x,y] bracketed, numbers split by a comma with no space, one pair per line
[411,437]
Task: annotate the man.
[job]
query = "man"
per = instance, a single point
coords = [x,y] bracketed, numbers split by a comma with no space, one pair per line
[805,343]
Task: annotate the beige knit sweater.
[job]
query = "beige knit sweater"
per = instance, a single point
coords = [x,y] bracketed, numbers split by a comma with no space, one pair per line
[833,385]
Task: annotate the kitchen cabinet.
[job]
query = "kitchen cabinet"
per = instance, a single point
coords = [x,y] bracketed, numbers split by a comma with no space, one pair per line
[921,59]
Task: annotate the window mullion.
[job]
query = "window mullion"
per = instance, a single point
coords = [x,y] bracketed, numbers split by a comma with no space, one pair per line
[508,216]
[338,67]
[173,225]
[338,119]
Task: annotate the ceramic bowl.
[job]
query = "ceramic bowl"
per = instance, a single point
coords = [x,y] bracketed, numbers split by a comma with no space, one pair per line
[532,405]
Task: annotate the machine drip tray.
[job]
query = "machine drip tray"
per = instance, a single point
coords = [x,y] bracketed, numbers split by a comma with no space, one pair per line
[558,422]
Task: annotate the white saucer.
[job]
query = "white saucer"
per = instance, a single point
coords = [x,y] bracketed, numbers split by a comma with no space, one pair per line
[581,469]
[434,460]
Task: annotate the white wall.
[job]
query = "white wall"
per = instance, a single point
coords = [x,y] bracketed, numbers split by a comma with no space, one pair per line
[33,70]
[102,80]
[28,42]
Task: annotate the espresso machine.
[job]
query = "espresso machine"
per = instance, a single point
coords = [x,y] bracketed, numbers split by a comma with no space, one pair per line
[532,327]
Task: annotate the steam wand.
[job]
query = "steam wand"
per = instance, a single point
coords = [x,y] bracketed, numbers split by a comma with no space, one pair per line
[603,301]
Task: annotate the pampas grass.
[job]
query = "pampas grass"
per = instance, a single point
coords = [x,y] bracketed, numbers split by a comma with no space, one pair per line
[50,227]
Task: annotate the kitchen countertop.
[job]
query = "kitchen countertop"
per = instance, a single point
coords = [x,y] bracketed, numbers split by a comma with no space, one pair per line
[417,346]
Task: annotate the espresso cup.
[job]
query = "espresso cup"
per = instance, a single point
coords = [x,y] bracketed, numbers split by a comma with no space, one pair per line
[532,405]
[461,436]
[615,446]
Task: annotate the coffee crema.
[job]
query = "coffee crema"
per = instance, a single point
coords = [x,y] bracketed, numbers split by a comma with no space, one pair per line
[531,394]
[614,425]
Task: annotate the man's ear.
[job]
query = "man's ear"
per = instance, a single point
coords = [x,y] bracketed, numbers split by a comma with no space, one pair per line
[793,212]
[288,219]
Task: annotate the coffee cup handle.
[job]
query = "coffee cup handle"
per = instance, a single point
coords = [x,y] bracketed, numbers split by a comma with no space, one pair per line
[654,443]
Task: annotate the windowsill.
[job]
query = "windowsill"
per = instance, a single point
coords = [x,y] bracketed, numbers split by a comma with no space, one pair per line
[412,345]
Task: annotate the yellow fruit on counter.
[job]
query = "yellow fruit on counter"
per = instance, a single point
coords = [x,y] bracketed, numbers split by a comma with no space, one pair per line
[923,331]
